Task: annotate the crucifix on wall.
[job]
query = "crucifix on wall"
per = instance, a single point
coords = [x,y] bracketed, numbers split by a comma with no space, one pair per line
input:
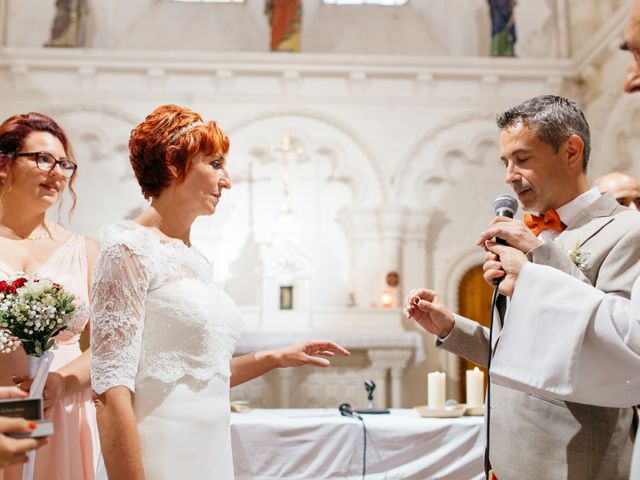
[250,179]
[286,149]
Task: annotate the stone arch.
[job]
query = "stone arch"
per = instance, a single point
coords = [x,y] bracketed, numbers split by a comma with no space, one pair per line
[342,171]
[99,135]
[106,109]
[435,160]
[464,262]
[429,136]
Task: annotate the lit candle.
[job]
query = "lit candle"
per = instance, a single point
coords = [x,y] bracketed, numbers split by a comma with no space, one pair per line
[387,299]
[475,388]
[436,387]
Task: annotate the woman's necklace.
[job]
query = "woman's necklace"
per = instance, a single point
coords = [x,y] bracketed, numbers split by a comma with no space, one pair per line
[33,236]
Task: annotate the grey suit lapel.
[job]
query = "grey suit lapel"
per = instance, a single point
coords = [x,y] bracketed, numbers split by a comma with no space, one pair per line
[589,222]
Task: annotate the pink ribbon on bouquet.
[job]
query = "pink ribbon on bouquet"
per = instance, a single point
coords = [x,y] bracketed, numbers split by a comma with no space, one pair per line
[38,371]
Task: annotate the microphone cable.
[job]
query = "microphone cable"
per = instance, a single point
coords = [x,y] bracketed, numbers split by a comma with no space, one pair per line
[494,301]
[503,206]
[364,450]
[346,411]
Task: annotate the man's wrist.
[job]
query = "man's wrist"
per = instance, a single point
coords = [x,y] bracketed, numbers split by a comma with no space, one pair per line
[447,331]
[533,247]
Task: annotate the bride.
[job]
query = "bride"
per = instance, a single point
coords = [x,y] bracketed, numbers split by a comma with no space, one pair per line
[163,333]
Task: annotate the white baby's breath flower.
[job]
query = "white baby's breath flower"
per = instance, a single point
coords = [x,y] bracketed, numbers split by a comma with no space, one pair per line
[49,300]
[578,256]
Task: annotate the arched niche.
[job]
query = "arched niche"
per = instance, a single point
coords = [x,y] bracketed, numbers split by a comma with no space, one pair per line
[327,171]
[474,302]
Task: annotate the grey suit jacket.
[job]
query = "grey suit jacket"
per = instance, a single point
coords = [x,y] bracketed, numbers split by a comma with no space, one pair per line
[540,438]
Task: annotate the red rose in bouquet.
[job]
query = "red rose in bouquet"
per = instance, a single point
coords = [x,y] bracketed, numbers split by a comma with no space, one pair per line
[19,282]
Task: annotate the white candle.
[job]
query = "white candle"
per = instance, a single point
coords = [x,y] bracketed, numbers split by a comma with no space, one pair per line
[475,388]
[436,386]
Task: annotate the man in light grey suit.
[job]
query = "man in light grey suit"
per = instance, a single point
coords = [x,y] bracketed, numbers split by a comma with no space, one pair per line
[545,146]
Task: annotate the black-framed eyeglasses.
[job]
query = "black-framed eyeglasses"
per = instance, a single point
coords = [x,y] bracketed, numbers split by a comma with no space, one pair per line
[47,162]
[627,201]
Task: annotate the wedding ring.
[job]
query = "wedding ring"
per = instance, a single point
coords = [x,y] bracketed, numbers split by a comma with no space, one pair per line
[415,301]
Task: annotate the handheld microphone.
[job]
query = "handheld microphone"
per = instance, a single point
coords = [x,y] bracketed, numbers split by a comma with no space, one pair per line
[347,411]
[504,206]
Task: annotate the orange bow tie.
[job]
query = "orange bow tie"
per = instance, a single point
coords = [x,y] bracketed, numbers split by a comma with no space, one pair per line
[550,221]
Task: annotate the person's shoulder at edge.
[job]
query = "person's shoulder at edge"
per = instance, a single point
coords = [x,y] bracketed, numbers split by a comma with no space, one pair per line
[626,219]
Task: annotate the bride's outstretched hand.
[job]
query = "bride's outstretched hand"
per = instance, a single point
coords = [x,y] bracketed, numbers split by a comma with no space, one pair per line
[308,353]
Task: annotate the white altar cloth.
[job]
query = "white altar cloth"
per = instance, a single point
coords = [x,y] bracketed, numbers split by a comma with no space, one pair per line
[309,444]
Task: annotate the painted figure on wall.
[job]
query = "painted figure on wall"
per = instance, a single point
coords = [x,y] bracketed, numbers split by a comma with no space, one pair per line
[285,18]
[69,24]
[503,27]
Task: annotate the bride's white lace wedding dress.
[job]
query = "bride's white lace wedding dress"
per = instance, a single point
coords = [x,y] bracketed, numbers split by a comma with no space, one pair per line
[162,328]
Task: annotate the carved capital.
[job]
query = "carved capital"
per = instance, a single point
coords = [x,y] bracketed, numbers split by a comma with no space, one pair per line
[389,358]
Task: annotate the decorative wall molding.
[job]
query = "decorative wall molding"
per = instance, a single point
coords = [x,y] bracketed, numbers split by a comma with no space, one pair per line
[334,122]
[399,175]
[108,109]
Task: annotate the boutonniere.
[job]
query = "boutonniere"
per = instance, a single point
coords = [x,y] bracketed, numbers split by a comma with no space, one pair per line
[578,257]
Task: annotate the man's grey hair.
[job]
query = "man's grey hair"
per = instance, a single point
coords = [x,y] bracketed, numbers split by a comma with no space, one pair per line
[552,119]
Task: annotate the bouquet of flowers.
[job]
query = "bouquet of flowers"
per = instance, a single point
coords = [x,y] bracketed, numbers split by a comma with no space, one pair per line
[33,310]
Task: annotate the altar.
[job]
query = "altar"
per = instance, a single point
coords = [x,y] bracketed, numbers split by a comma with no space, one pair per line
[378,355]
[288,444]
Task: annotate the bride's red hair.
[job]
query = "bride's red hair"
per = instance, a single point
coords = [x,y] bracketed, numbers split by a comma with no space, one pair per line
[158,143]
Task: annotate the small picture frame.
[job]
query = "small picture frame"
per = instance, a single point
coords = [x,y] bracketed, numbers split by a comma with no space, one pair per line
[286,297]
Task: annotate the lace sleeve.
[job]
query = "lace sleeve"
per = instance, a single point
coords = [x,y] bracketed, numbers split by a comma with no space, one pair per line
[119,288]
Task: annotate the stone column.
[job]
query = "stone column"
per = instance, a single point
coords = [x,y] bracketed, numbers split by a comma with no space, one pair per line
[4,21]
[361,227]
[391,223]
[398,361]
[414,251]
[564,29]
[285,390]
[382,361]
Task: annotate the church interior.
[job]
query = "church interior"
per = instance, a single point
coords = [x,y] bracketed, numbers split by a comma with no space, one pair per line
[364,151]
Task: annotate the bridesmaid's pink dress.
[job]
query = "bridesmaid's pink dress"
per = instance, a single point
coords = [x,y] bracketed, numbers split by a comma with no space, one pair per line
[73,451]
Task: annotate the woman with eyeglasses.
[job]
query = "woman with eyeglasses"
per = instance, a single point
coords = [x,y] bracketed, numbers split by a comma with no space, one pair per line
[36,167]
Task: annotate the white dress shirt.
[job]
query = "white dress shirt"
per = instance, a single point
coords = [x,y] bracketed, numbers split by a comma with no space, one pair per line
[570,211]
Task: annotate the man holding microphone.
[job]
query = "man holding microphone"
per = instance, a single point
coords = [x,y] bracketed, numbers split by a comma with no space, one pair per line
[562,338]
[544,146]
[598,359]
